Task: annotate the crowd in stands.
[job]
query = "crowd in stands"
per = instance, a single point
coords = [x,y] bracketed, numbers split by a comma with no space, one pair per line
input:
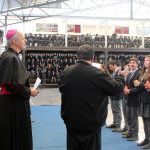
[48,66]
[58,40]
[122,58]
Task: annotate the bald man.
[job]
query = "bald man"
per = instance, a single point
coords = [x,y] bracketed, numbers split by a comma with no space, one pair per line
[15,123]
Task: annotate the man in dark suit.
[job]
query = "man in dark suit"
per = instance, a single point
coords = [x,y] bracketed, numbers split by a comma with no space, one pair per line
[115,101]
[84,106]
[132,95]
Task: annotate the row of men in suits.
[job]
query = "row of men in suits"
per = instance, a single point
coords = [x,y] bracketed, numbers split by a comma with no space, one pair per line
[78,40]
[135,101]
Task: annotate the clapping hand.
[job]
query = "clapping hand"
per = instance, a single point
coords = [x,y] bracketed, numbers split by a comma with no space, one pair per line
[147,85]
[136,83]
[123,72]
[126,90]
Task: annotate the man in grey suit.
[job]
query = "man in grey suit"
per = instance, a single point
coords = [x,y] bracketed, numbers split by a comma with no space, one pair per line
[115,101]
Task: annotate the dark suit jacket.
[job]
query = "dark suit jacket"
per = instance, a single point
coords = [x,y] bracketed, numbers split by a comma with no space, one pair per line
[83,90]
[144,94]
[133,97]
[119,95]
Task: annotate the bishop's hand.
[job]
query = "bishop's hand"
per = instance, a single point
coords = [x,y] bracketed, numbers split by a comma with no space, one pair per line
[34,92]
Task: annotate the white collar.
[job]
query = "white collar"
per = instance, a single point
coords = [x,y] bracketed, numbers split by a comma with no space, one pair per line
[132,71]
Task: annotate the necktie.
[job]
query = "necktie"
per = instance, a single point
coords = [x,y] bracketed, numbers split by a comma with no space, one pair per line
[131,74]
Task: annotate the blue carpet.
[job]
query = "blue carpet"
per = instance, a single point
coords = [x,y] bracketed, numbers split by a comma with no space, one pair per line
[49,132]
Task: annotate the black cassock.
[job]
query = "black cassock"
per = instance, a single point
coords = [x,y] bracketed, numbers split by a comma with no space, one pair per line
[15,123]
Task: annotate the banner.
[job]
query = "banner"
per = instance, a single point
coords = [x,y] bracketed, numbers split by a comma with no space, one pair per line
[121,30]
[74,28]
[46,27]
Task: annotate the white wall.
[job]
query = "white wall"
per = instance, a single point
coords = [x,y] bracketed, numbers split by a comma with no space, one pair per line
[87,25]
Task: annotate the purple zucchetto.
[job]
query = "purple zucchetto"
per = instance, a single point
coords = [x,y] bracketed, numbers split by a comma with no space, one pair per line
[10,33]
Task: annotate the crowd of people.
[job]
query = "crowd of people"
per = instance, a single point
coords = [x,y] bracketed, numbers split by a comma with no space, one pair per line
[49,65]
[113,41]
[85,91]
[134,100]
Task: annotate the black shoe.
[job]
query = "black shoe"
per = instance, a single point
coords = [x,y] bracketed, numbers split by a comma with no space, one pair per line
[116,129]
[125,133]
[142,143]
[127,136]
[123,130]
[146,146]
[132,138]
[111,126]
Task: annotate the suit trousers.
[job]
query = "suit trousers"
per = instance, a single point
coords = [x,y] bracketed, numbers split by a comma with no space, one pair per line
[132,119]
[84,141]
[116,111]
[124,109]
[146,123]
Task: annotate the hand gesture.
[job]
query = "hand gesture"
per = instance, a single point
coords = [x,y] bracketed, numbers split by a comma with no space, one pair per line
[136,83]
[147,85]
[126,90]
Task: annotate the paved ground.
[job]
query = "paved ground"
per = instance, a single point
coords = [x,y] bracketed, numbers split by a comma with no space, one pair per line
[47,96]
[51,96]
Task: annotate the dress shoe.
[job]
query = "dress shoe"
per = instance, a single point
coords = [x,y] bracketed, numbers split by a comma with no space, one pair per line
[127,136]
[125,133]
[132,138]
[146,146]
[111,126]
[123,130]
[116,130]
[144,142]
